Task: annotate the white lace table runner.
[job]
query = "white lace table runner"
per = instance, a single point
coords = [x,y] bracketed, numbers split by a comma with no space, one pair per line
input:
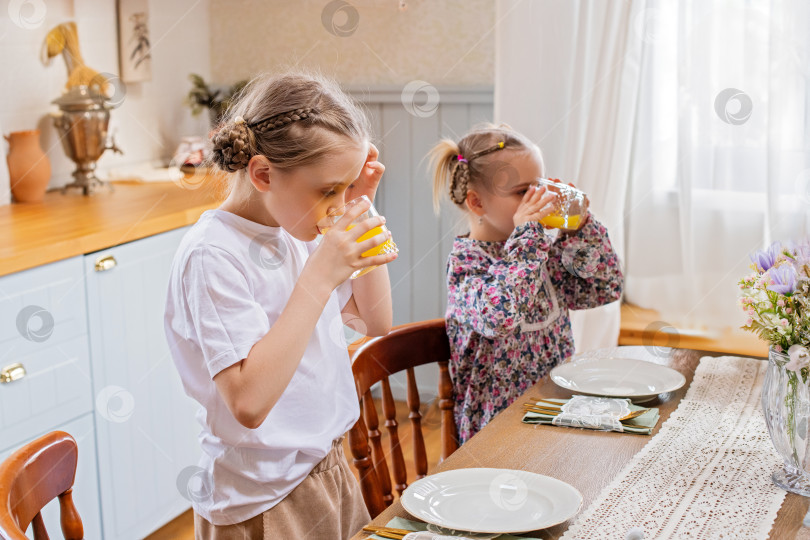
[706,474]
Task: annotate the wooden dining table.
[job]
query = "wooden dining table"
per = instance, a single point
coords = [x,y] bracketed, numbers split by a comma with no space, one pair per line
[586,459]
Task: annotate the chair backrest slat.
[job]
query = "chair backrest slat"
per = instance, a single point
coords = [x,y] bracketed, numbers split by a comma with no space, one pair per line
[361,454]
[38,527]
[405,347]
[69,517]
[446,406]
[377,453]
[419,451]
[397,459]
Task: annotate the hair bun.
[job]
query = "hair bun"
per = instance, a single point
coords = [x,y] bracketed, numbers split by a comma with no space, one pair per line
[233,146]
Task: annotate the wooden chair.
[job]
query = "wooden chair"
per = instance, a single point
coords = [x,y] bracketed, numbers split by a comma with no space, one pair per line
[33,476]
[404,348]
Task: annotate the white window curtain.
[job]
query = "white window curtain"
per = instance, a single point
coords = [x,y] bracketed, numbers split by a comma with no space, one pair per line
[720,153]
[686,121]
[567,76]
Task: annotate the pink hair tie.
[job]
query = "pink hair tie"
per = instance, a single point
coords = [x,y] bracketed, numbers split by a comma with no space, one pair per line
[461,159]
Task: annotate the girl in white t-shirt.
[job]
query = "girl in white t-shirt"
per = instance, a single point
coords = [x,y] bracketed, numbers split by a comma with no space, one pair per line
[256,307]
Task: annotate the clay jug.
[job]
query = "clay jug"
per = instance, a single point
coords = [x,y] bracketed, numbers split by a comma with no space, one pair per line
[29,168]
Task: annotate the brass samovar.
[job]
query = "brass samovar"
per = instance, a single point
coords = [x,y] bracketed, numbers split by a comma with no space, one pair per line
[84,109]
[82,120]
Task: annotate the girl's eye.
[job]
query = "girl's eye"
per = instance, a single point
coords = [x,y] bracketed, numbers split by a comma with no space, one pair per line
[330,193]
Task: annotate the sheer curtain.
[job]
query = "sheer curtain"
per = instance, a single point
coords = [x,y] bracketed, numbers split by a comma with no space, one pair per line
[720,150]
[686,122]
[567,76]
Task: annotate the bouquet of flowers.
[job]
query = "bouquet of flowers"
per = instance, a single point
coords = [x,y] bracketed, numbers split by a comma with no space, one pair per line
[776,298]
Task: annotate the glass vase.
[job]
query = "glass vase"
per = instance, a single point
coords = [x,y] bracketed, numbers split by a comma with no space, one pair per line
[786,404]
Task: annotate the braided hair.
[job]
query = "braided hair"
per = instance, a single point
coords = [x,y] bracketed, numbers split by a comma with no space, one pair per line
[460,177]
[292,119]
[234,145]
[283,119]
[459,166]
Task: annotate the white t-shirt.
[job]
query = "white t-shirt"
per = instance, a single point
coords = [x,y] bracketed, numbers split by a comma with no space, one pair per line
[230,280]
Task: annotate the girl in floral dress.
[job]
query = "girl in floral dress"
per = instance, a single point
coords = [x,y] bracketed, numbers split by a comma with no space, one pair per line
[510,284]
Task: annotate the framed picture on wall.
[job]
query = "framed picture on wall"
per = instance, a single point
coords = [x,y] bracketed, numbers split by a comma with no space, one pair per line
[134,45]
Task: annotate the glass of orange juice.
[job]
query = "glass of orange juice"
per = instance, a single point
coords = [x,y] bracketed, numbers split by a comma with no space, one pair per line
[570,206]
[386,247]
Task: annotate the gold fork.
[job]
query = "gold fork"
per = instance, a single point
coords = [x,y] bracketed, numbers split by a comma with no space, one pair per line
[386,532]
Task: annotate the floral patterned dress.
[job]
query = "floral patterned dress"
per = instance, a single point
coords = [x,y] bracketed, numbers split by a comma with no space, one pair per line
[507,311]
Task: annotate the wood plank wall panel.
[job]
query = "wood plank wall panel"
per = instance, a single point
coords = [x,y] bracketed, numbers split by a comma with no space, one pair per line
[405,198]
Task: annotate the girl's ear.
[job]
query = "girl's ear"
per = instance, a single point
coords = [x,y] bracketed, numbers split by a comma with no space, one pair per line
[260,171]
[474,203]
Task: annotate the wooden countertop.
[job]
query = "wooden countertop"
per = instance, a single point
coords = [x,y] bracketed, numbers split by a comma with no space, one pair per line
[66,225]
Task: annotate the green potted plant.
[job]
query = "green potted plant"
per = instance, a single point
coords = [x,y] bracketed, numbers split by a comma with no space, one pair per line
[216,100]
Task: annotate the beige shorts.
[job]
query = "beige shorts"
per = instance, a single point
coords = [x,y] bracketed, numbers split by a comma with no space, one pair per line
[327,505]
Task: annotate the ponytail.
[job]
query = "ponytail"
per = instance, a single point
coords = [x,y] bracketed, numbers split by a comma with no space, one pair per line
[443,159]
[457,166]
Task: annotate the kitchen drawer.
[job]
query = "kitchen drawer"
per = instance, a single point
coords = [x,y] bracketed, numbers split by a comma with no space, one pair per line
[41,307]
[56,388]
[85,487]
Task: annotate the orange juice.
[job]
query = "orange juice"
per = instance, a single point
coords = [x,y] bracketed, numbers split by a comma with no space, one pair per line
[556,221]
[569,207]
[386,247]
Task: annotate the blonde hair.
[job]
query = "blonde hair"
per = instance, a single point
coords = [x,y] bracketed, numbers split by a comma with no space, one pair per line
[459,166]
[291,119]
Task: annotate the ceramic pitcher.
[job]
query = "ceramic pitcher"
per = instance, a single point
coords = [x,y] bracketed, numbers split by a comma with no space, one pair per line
[28,166]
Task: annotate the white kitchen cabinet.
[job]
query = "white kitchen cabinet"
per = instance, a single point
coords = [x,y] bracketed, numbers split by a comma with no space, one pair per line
[44,349]
[145,424]
[85,488]
[43,346]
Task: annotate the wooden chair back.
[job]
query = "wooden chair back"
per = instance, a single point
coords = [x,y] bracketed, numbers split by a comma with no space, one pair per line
[31,477]
[404,348]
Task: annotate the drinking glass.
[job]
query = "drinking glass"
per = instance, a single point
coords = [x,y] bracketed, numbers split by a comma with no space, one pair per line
[570,206]
[386,247]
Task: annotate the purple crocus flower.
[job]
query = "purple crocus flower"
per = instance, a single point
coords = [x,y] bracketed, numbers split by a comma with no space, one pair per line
[783,279]
[801,248]
[801,252]
[765,259]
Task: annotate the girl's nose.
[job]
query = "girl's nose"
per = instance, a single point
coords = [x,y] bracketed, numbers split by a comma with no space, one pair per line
[338,203]
[335,206]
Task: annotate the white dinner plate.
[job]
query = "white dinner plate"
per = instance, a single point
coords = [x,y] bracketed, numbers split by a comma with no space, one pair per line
[491,500]
[617,377]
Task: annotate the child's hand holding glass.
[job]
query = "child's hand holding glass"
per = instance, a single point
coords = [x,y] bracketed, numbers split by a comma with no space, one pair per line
[356,236]
[536,205]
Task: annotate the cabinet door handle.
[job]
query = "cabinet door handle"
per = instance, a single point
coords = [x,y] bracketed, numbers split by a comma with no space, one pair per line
[14,372]
[105,263]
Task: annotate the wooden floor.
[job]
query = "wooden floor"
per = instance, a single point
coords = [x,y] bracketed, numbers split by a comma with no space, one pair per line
[182,527]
